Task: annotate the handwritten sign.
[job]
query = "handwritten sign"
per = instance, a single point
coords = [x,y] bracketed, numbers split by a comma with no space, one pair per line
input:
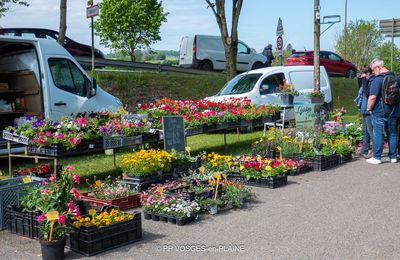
[307,116]
[52,215]
[27,180]
[174,133]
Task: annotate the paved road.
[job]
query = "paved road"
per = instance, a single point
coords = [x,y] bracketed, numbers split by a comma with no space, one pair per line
[350,212]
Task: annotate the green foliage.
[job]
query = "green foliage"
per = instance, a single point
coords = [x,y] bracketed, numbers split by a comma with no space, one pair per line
[5,5]
[384,54]
[127,25]
[363,39]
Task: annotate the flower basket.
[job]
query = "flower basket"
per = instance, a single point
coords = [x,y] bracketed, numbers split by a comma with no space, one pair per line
[93,240]
[23,223]
[287,99]
[123,203]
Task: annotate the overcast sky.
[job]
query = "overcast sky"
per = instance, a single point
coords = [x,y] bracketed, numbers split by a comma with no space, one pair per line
[257,24]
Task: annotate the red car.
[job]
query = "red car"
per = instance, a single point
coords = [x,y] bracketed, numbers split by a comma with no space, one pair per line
[333,63]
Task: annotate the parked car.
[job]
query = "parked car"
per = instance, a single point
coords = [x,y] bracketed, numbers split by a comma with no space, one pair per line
[333,63]
[260,86]
[73,47]
[48,79]
[206,52]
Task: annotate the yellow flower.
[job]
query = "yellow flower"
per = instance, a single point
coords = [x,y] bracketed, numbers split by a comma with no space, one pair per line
[268,168]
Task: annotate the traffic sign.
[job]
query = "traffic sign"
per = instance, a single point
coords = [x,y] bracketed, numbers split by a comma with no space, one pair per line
[279,28]
[92,11]
[279,43]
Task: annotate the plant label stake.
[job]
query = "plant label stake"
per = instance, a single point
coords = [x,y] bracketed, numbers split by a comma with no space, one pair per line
[27,179]
[188,150]
[218,177]
[224,176]
[98,183]
[160,190]
[280,153]
[92,212]
[51,216]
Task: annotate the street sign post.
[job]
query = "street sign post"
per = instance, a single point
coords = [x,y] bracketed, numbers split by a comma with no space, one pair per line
[390,28]
[92,11]
[279,39]
[279,28]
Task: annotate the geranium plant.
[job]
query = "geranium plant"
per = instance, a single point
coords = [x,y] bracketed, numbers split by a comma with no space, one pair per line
[287,88]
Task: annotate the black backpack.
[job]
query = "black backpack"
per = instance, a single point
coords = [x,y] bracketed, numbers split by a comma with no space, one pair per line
[390,89]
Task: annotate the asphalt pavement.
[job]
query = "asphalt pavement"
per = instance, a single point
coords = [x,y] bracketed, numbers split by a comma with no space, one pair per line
[349,212]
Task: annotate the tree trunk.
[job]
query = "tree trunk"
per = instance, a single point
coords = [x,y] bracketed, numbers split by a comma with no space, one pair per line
[132,55]
[63,22]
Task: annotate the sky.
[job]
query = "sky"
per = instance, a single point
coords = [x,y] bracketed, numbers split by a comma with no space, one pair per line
[257,23]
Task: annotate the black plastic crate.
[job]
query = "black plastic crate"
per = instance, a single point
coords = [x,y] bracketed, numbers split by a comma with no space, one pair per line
[146,181]
[23,223]
[235,176]
[323,162]
[169,219]
[344,159]
[151,137]
[193,131]
[93,240]
[296,157]
[270,182]
[57,149]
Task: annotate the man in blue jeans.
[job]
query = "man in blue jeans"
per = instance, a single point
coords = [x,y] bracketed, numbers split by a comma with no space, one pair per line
[384,116]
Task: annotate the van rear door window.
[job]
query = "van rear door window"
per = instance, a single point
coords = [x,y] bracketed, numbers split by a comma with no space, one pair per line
[240,84]
[305,79]
[67,76]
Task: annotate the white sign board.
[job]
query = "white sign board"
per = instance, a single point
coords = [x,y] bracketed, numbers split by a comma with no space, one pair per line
[279,28]
[92,11]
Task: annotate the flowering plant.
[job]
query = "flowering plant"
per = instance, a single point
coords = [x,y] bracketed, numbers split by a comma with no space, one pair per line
[110,189]
[106,218]
[146,162]
[287,88]
[256,167]
[41,170]
[338,113]
[316,94]
[181,208]
[57,195]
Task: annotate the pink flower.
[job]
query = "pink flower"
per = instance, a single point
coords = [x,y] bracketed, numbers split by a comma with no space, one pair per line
[73,190]
[43,182]
[78,214]
[69,168]
[61,219]
[52,178]
[71,205]
[45,190]
[76,178]
[40,218]
[76,195]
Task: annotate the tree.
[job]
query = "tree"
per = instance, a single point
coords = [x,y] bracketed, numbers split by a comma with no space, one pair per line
[384,53]
[127,25]
[5,5]
[63,22]
[363,39]
[230,42]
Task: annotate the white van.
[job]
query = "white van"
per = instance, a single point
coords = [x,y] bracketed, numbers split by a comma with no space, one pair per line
[206,52]
[38,77]
[260,86]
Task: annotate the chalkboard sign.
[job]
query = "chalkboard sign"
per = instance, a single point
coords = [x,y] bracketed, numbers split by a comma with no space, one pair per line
[307,116]
[174,133]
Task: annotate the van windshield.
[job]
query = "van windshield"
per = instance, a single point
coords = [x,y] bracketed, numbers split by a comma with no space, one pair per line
[240,84]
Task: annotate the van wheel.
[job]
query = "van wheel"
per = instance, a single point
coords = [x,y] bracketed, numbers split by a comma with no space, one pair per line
[350,74]
[206,65]
[257,65]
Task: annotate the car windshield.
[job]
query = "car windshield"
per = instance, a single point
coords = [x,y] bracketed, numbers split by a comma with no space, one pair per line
[240,84]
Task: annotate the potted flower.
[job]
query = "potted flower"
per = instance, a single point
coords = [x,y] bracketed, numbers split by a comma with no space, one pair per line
[55,201]
[316,97]
[287,92]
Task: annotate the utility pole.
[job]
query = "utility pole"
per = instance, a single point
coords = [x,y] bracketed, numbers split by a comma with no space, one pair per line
[316,46]
[345,29]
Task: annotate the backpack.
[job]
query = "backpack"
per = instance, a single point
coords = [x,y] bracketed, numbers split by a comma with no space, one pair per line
[390,90]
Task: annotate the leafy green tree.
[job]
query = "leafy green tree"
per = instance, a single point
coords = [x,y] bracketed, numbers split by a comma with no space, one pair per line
[384,53]
[5,5]
[127,25]
[363,39]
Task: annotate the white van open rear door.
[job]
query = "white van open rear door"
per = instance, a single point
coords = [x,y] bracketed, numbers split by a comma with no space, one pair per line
[186,52]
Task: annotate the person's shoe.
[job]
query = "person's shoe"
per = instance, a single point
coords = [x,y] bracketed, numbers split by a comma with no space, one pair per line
[393,160]
[366,155]
[372,160]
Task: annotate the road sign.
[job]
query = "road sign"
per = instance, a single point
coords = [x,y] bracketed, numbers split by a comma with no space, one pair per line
[279,43]
[92,11]
[279,28]
[390,27]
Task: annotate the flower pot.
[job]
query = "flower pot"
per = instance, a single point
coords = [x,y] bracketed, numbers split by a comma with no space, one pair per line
[163,218]
[181,221]
[52,249]
[287,99]
[213,210]
[172,220]
[155,217]
[147,215]
[316,100]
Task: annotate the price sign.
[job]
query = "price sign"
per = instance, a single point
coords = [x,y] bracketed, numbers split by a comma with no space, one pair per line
[160,190]
[52,215]
[27,179]
[98,183]
[92,212]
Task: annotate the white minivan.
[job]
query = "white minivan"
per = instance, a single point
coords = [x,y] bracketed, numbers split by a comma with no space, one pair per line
[206,52]
[260,86]
[40,78]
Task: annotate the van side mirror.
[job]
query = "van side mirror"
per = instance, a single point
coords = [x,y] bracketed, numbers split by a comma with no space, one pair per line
[92,88]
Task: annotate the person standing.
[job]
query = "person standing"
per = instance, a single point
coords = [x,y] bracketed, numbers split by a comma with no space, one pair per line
[267,52]
[362,100]
[384,116]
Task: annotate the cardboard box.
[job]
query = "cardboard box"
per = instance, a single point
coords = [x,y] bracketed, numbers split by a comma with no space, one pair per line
[3,86]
